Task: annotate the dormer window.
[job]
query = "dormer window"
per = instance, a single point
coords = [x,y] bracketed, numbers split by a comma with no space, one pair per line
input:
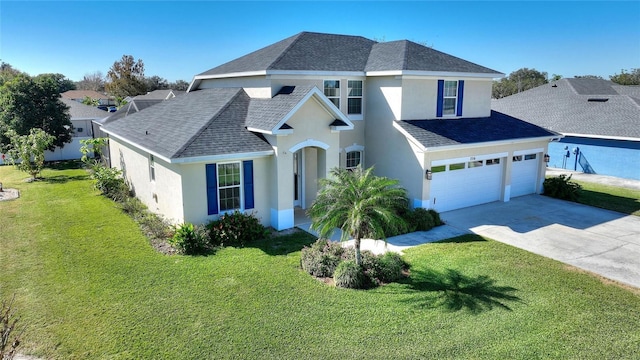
[332,91]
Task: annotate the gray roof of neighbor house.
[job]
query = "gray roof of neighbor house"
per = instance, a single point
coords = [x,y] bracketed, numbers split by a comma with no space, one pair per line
[579,106]
[447,132]
[308,51]
[81,94]
[201,123]
[81,111]
[129,108]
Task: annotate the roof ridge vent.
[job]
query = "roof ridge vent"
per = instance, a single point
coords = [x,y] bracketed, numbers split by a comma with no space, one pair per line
[597,99]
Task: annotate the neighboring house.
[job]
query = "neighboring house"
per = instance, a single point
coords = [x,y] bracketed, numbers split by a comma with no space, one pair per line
[156,95]
[79,95]
[257,133]
[82,117]
[599,119]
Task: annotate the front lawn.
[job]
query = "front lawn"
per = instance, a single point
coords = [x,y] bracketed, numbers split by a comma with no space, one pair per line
[626,201]
[89,285]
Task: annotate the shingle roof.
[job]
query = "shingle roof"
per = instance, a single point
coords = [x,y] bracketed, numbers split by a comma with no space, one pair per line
[447,132]
[81,111]
[309,51]
[265,114]
[407,55]
[81,94]
[200,123]
[129,108]
[159,95]
[564,106]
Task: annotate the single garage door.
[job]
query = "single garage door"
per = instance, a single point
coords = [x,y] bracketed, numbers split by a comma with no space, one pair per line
[524,174]
[462,184]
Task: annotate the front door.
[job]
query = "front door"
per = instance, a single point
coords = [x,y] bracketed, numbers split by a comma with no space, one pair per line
[297,178]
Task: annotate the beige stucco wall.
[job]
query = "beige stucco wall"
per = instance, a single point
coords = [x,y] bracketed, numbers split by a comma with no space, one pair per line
[162,196]
[255,86]
[194,190]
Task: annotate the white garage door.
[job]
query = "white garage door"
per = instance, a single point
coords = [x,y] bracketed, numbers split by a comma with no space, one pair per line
[463,184]
[524,174]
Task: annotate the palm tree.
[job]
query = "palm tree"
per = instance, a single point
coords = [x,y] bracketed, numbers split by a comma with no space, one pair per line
[358,203]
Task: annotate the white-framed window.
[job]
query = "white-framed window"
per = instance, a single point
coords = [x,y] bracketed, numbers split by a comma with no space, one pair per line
[354,158]
[152,168]
[530,157]
[354,100]
[332,91]
[517,158]
[450,97]
[493,161]
[229,186]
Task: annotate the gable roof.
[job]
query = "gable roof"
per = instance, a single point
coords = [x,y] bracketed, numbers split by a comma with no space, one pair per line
[269,115]
[583,107]
[129,108]
[317,52]
[159,95]
[452,132]
[201,123]
[81,111]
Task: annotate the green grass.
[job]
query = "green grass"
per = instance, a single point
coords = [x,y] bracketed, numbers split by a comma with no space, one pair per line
[88,285]
[626,201]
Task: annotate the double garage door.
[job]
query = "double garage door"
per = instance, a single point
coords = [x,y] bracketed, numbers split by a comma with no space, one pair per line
[459,183]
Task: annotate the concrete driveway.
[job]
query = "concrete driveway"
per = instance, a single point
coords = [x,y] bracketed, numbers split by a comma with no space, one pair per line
[601,241]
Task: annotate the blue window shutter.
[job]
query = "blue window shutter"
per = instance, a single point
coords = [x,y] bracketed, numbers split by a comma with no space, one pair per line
[212,189]
[460,93]
[248,183]
[440,98]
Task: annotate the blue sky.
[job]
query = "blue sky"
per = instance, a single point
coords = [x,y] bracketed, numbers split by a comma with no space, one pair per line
[177,40]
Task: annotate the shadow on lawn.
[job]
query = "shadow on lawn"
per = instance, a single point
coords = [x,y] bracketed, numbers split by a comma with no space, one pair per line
[60,179]
[454,291]
[617,203]
[279,244]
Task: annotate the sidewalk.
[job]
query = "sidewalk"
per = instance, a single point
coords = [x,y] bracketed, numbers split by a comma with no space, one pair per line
[595,178]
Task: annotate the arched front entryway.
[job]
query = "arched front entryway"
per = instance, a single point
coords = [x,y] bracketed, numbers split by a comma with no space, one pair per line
[309,165]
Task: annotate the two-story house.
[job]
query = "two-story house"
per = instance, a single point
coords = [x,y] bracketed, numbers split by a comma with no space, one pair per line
[256,133]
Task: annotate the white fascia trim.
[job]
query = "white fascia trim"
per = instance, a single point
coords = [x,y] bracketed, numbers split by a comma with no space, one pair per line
[408,136]
[488,143]
[231,75]
[340,128]
[263,131]
[223,157]
[322,100]
[528,151]
[195,159]
[469,158]
[434,74]
[315,73]
[602,137]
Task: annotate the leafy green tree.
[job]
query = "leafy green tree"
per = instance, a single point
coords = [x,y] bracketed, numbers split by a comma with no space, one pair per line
[91,102]
[518,81]
[7,72]
[627,78]
[155,82]
[96,147]
[358,203]
[27,103]
[63,83]
[26,152]
[126,78]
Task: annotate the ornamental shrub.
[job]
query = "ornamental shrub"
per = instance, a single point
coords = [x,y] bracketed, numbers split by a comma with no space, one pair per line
[236,229]
[322,258]
[110,182]
[561,187]
[391,267]
[420,220]
[350,275]
[436,217]
[190,239]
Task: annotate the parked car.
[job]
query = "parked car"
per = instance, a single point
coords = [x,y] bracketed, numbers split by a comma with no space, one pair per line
[112,109]
[103,107]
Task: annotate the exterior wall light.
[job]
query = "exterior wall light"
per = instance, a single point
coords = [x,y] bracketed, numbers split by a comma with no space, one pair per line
[547,158]
[427,174]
